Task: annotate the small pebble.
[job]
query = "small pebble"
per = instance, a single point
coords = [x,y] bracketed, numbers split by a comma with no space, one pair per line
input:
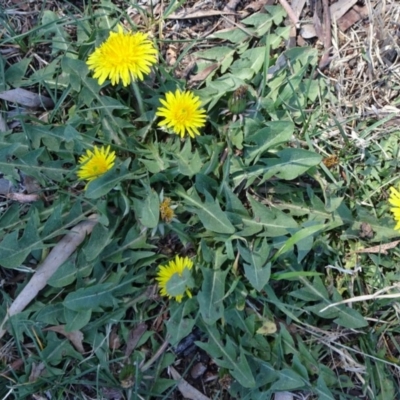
[198,370]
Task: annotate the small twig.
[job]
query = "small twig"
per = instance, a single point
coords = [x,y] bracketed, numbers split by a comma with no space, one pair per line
[290,12]
[376,295]
[326,58]
[327,25]
[22,198]
[156,355]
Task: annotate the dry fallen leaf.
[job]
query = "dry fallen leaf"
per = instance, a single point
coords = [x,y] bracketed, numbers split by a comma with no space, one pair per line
[26,98]
[351,17]
[201,76]
[37,370]
[134,337]
[187,390]
[114,342]
[340,8]
[75,337]
[171,55]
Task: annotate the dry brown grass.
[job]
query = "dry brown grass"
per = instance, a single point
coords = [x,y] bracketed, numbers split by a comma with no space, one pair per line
[366,66]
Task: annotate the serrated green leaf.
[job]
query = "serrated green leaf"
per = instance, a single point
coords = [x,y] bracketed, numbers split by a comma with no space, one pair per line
[90,298]
[76,319]
[288,380]
[70,134]
[38,133]
[322,390]
[179,324]
[13,252]
[242,372]
[215,53]
[10,216]
[98,240]
[272,222]
[225,356]
[77,69]
[294,275]
[251,60]
[276,132]
[51,25]
[64,275]
[234,36]
[258,277]
[305,294]
[105,183]
[178,284]
[257,270]
[11,256]
[289,164]
[51,314]
[89,95]
[209,213]
[15,74]
[148,210]
[298,236]
[233,204]
[189,163]
[351,319]
[211,295]
[54,222]
[57,350]
[6,163]
[264,21]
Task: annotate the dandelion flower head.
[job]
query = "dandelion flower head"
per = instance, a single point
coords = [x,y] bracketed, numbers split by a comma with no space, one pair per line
[394,200]
[166,211]
[125,56]
[95,163]
[175,279]
[182,113]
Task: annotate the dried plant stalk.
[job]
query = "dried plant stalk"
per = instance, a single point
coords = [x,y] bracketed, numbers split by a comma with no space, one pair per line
[57,256]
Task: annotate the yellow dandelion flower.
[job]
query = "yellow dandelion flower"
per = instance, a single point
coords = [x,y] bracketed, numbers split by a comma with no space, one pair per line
[182,113]
[125,56]
[175,278]
[166,212]
[95,163]
[394,200]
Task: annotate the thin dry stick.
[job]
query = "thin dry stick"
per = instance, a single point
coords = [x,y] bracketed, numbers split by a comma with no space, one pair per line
[58,255]
[23,198]
[327,39]
[290,12]
[366,297]
[156,355]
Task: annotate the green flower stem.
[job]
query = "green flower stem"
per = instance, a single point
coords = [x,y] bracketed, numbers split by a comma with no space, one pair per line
[140,105]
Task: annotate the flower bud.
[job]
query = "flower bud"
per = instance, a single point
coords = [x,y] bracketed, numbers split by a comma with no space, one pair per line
[238,101]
